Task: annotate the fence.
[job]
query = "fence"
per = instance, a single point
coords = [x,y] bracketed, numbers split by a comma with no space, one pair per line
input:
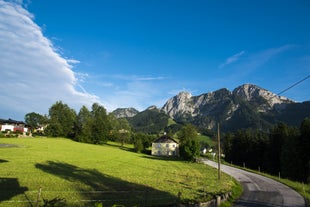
[91,198]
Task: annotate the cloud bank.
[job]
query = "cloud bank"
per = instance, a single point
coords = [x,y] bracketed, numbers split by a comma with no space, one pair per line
[33,74]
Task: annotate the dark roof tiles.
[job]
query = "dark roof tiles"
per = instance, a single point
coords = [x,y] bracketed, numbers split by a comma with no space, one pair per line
[165,139]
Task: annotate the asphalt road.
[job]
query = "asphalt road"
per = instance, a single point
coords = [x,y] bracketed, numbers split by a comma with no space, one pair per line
[259,191]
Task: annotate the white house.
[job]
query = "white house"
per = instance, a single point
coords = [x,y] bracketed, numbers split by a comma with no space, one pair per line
[12,125]
[165,146]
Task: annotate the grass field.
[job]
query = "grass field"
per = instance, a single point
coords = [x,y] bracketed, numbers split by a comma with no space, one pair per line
[84,174]
[206,140]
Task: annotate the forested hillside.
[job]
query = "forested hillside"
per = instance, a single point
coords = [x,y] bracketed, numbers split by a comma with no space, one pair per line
[153,121]
[285,150]
[150,121]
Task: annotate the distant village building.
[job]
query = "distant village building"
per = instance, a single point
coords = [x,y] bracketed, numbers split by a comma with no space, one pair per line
[13,126]
[165,146]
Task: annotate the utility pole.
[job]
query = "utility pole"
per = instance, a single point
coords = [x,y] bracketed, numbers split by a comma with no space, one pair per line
[219,151]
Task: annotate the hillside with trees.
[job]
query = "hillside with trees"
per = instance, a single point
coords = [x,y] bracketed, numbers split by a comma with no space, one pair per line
[285,150]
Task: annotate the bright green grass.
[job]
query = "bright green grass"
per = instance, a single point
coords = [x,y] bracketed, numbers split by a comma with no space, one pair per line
[207,140]
[171,122]
[83,173]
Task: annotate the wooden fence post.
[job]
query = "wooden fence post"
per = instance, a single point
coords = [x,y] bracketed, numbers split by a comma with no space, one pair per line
[38,196]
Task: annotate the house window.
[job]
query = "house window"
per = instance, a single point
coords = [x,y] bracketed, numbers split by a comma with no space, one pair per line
[167,145]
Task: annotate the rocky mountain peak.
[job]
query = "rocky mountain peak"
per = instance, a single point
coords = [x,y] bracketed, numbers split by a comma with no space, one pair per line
[184,95]
[254,93]
[249,91]
[125,112]
[247,106]
[245,102]
[152,108]
[180,103]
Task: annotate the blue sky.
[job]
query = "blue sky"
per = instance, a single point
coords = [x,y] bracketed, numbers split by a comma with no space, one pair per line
[141,53]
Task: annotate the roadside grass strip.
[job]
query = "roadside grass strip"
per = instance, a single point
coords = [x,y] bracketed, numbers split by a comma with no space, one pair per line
[302,188]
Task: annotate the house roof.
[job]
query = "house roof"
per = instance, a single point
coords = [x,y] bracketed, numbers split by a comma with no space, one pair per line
[165,139]
[11,121]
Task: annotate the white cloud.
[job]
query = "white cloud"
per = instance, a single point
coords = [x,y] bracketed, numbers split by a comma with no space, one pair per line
[33,75]
[232,59]
[72,61]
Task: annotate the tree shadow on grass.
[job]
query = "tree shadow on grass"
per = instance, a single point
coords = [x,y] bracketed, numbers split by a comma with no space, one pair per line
[107,189]
[10,187]
[128,149]
[1,161]
[119,146]
[166,158]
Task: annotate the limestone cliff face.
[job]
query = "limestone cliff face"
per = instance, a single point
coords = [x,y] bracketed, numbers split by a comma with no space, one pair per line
[224,106]
[247,106]
[253,93]
[179,104]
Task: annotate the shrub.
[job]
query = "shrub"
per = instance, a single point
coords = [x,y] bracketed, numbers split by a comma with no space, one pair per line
[190,150]
[138,145]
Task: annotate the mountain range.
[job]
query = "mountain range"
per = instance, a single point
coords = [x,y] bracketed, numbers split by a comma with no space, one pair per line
[247,106]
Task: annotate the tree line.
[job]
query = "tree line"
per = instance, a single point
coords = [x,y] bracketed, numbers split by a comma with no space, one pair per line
[96,126]
[284,150]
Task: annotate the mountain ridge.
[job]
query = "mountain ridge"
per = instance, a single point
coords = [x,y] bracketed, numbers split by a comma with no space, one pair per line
[247,106]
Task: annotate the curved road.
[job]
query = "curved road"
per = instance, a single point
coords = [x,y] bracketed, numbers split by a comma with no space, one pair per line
[259,191]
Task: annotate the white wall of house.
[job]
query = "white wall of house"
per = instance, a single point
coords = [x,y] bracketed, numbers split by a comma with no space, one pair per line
[165,149]
[6,127]
[11,127]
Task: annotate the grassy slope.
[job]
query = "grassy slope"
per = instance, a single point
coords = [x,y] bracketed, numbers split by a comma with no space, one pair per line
[207,140]
[74,170]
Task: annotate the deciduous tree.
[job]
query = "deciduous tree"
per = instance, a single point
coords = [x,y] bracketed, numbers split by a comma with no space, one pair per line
[83,126]
[61,120]
[189,145]
[101,126]
[35,120]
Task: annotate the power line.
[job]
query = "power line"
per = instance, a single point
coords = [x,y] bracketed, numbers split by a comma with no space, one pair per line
[295,84]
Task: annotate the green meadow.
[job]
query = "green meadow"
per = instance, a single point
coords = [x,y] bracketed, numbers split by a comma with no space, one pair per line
[33,169]
[205,140]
